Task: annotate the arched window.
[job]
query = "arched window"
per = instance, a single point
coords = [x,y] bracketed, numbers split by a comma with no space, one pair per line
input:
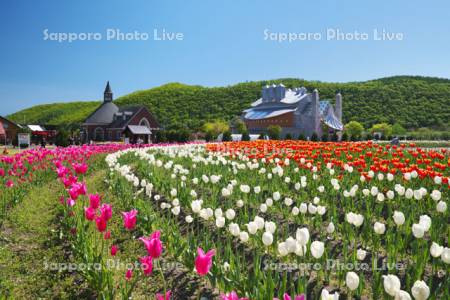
[144,122]
[99,134]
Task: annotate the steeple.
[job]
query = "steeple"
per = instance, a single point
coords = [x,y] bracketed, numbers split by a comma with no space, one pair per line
[107,95]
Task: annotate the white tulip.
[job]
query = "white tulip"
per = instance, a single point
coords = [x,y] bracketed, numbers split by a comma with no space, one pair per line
[425,221]
[303,208]
[317,249]
[390,195]
[402,295]
[352,280]
[316,200]
[267,238]
[291,244]
[445,256]
[399,218]
[239,203]
[409,193]
[295,211]
[189,219]
[441,207]
[176,210]
[361,254]
[390,177]
[391,284]
[263,208]
[312,209]
[417,194]
[326,295]
[437,179]
[230,214]
[257,189]
[220,222]
[270,227]
[418,231]
[269,202]
[379,228]
[420,290]
[282,249]
[259,222]
[276,196]
[302,236]
[252,227]
[330,228]
[218,213]
[288,201]
[243,236]
[321,210]
[436,250]
[234,229]
[407,176]
[380,197]
[436,195]
[196,206]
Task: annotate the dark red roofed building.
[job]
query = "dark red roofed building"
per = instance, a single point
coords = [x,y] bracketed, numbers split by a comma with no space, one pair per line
[111,123]
[8,131]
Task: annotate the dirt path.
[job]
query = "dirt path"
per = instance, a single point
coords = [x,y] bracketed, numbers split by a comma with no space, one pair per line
[29,243]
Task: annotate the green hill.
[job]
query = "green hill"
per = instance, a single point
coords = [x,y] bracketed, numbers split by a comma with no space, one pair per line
[412,101]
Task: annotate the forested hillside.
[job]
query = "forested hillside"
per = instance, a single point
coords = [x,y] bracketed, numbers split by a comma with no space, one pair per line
[411,101]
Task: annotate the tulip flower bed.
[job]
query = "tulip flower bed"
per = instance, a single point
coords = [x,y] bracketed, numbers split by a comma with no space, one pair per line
[276,219]
[30,168]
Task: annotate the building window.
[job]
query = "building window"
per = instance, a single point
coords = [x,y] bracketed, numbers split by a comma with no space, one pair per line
[144,122]
[99,134]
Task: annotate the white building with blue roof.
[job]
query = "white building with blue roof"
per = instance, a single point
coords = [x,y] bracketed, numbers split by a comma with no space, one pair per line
[295,110]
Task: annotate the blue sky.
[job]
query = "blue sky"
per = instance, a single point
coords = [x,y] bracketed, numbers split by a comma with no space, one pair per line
[223,43]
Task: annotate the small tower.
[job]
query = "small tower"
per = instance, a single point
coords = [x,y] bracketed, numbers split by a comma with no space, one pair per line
[107,95]
[315,111]
[338,106]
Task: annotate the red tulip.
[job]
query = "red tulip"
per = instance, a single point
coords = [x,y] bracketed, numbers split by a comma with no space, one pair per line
[101,224]
[129,274]
[129,219]
[153,244]
[113,250]
[106,211]
[147,265]
[89,213]
[94,201]
[203,262]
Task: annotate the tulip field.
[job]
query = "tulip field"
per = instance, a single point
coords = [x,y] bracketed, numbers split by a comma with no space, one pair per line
[234,220]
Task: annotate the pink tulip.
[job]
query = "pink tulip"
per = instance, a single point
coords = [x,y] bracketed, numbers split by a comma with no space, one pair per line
[113,250]
[129,219]
[94,201]
[165,297]
[101,224]
[80,168]
[203,262]
[106,211]
[153,244]
[287,297]
[147,265]
[89,213]
[2,172]
[231,296]
[70,202]
[129,274]
[9,183]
